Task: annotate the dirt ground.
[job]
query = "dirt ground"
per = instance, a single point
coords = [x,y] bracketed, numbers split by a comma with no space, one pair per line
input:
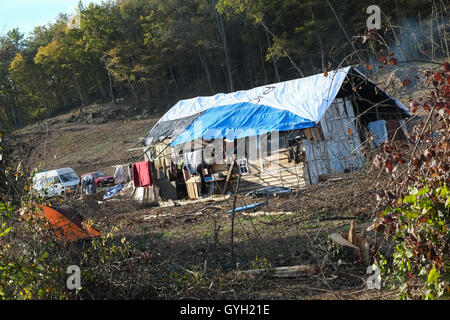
[286,231]
[94,140]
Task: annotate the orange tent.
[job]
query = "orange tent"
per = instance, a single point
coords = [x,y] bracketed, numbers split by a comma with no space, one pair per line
[66,224]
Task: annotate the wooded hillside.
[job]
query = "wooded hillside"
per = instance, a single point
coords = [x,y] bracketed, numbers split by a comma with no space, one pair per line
[173,49]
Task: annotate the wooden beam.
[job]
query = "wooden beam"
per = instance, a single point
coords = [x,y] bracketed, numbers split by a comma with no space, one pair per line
[136,149]
[229,175]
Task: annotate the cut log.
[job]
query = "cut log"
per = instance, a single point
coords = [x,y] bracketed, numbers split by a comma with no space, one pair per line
[285,272]
[363,245]
[355,241]
[338,239]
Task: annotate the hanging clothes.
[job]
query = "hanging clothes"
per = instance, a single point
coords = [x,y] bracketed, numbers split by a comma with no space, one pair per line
[158,164]
[121,175]
[192,160]
[141,174]
[180,163]
[229,151]
[173,166]
[174,158]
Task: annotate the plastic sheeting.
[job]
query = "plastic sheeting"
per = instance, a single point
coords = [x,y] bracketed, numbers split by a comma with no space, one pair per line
[110,192]
[248,207]
[379,131]
[121,174]
[269,191]
[167,129]
[306,97]
[241,120]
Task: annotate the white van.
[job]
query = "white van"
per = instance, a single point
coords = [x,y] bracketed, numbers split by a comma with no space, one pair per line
[55,183]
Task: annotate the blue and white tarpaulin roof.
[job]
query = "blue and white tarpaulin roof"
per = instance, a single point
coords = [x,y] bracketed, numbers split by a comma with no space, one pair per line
[294,104]
[240,120]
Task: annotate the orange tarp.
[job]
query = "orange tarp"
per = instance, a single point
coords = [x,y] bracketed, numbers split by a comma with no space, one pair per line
[68,225]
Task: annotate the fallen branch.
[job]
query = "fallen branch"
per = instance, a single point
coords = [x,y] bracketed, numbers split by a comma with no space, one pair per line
[337,218]
[285,272]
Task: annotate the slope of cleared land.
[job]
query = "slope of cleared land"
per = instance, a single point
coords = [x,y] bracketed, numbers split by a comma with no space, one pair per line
[93,140]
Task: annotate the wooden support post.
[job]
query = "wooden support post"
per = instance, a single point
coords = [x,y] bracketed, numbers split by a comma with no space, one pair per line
[232,219]
[229,175]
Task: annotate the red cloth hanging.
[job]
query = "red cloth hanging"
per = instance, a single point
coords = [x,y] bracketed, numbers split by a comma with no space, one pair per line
[141,174]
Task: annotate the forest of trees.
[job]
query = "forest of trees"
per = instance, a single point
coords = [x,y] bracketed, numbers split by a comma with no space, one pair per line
[170,49]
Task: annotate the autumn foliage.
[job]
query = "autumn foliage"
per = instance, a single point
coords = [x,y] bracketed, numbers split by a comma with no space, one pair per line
[416,198]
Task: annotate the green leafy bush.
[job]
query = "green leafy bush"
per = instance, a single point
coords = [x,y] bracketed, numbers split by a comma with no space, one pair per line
[420,232]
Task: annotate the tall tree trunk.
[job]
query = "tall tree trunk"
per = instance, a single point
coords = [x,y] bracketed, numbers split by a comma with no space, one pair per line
[97,79]
[284,50]
[15,122]
[273,60]
[45,99]
[9,116]
[18,109]
[205,67]
[249,71]
[263,63]
[100,86]
[171,73]
[83,102]
[133,91]
[111,91]
[343,30]
[223,37]
[3,123]
[62,94]
[322,55]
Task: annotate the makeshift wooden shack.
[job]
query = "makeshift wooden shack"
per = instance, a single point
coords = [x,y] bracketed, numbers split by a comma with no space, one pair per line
[285,134]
